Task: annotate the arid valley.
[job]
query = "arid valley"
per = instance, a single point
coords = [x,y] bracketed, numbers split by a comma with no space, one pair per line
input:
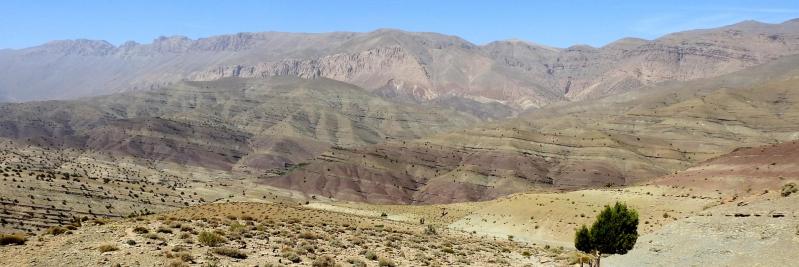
[402,148]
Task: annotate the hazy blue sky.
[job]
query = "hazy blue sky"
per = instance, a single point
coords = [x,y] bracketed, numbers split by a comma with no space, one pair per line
[26,23]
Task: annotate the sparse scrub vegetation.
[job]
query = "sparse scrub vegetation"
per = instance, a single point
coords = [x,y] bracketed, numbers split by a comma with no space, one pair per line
[56,230]
[107,248]
[370,255]
[230,252]
[789,189]
[210,239]
[324,261]
[292,256]
[141,230]
[12,239]
[386,262]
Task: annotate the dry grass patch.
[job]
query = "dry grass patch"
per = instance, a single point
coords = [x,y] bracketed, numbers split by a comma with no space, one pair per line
[56,230]
[324,261]
[230,252]
[210,239]
[141,230]
[12,239]
[107,248]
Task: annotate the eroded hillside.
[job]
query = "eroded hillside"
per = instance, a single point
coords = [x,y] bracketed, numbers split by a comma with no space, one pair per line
[417,66]
[253,125]
[620,140]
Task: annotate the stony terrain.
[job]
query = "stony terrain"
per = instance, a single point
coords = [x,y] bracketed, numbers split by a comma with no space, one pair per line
[760,231]
[741,172]
[756,225]
[619,140]
[394,148]
[253,125]
[45,187]
[521,229]
[249,234]
[335,140]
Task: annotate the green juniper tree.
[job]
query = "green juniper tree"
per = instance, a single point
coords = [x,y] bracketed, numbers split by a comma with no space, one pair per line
[614,232]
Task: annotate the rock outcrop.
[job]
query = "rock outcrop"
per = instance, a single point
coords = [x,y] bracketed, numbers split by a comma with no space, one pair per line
[619,140]
[407,65]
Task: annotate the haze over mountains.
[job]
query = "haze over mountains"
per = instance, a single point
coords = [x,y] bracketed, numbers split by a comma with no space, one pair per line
[619,140]
[300,147]
[401,117]
[228,123]
[396,64]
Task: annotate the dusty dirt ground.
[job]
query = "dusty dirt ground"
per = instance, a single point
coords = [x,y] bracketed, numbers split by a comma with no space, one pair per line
[260,234]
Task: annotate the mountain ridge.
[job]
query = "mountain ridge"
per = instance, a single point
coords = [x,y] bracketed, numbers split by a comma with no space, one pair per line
[517,74]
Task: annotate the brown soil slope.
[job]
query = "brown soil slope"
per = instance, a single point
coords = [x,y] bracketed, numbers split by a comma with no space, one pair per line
[242,124]
[46,187]
[745,171]
[619,140]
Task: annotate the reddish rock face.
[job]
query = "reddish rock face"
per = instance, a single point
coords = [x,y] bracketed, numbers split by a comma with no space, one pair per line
[419,66]
[606,142]
[749,170]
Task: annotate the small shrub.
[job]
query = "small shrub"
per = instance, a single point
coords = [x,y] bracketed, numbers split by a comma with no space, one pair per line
[141,230]
[164,230]
[12,239]
[430,230]
[309,235]
[370,255]
[236,228]
[788,189]
[386,262]
[56,230]
[101,221]
[185,257]
[107,247]
[153,236]
[230,252]
[178,263]
[526,253]
[356,262]
[324,261]
[210,239]
[292,256]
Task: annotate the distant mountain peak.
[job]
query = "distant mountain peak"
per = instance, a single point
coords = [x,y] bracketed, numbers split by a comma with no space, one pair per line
[583,47]
[791,21]
[529,43]
[626,42]
[83,47]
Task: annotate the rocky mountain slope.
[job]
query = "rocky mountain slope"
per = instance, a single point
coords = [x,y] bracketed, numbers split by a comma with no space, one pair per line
[229,124]
[620,140]
[49,187]
[406,65]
